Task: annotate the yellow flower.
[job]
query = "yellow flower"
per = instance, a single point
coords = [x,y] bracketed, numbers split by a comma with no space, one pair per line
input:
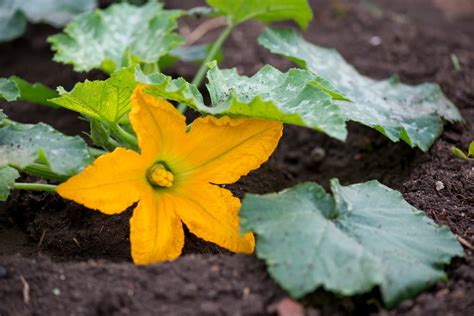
[175,178]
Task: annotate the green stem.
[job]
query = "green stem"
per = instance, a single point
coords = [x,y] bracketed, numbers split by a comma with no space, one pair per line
[150,68]
[43,171]
[155,67]
[35,187]
[124,136]
[199,77]
[96,151]
[113,143]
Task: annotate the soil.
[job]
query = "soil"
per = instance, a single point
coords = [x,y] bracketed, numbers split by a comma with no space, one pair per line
[58,258]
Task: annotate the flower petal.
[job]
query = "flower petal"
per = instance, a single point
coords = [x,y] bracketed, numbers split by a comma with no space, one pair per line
[159,126]
[221,150]
[156,232]
[211,213]
[110,184]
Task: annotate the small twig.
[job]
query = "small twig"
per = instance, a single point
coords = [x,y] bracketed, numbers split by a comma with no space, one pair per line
[465,243]
[456,63]
[41,239]
[204,28]
[77,242]
[433,213]
[26,290]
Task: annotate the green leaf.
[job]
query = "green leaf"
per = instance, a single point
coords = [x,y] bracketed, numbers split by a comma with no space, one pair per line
[471,150]
[195,53]
[117,37]
[201,11]
[15,13]
[107,100]
[55,12]
[399,111]
[459,153]
[295,97]
[35,93]
[23,144]
[12,20]
[265,10]
[99,134]
[365,235]
[9,90]
[8,176]
[15,88]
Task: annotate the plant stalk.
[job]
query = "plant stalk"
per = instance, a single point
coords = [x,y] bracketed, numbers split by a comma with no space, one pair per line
[35,187]
[151,68]
[96,152]
[199,77]
[43,171]
[124,136]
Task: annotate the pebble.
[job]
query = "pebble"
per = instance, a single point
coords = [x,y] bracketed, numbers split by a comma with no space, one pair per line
[289,307]
[318,154]
[375,41]
[439,185]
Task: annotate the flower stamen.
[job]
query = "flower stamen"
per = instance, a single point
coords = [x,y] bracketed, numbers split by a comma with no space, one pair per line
[159,176]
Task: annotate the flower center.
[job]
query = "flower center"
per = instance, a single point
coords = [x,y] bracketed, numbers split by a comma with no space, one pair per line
[159,176]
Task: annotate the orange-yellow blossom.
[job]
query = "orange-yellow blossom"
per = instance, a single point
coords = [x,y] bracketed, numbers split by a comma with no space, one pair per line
[175,178]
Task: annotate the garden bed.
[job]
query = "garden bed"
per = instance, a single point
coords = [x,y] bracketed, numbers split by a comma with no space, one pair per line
[59,258]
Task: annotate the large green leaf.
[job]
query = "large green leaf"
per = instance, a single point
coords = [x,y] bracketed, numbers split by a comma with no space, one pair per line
[265,10]
[117,37]
[12,20]
[8,176]
[15,13]
[107,100]
[196,53]
[295,97]
[15,88]
[23,144]
[55,12]
[399,111]
[363,236]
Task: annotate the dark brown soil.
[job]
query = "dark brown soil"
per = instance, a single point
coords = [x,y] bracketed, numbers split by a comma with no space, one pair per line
[57,258]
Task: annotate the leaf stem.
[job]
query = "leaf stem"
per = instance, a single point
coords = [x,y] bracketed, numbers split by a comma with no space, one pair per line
[199,77]
[150,68]
[124,136]
[113,143]
[155,67]
[35,187]
[96,152]
[43,171]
